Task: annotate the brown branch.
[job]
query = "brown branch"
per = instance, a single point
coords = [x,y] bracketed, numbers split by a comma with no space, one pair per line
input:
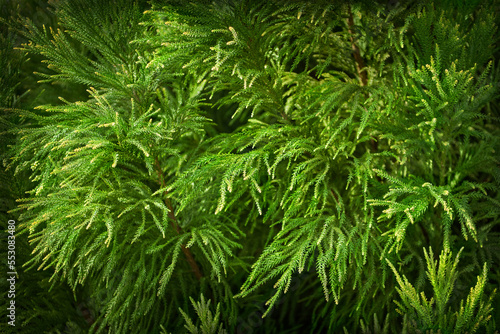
[89,319]
[334,196]
[360,64]
[175,223]
[86,314]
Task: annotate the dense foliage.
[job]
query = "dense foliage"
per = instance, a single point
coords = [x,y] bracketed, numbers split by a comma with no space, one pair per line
[242,166]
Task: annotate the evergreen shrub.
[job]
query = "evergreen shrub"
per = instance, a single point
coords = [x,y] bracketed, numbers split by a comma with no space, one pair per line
[237,166]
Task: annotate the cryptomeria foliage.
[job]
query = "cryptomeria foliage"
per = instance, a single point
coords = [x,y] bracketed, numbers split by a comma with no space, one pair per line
[40,306]
[299,164]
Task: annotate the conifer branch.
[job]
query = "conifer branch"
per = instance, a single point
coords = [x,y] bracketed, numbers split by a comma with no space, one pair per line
[360,64]
[175,223]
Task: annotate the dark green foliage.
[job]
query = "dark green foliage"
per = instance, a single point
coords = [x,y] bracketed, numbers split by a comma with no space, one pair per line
[41,305]
[294,157]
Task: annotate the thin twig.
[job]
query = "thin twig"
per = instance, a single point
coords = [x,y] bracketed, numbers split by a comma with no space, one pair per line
[360,64]
[175,223]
